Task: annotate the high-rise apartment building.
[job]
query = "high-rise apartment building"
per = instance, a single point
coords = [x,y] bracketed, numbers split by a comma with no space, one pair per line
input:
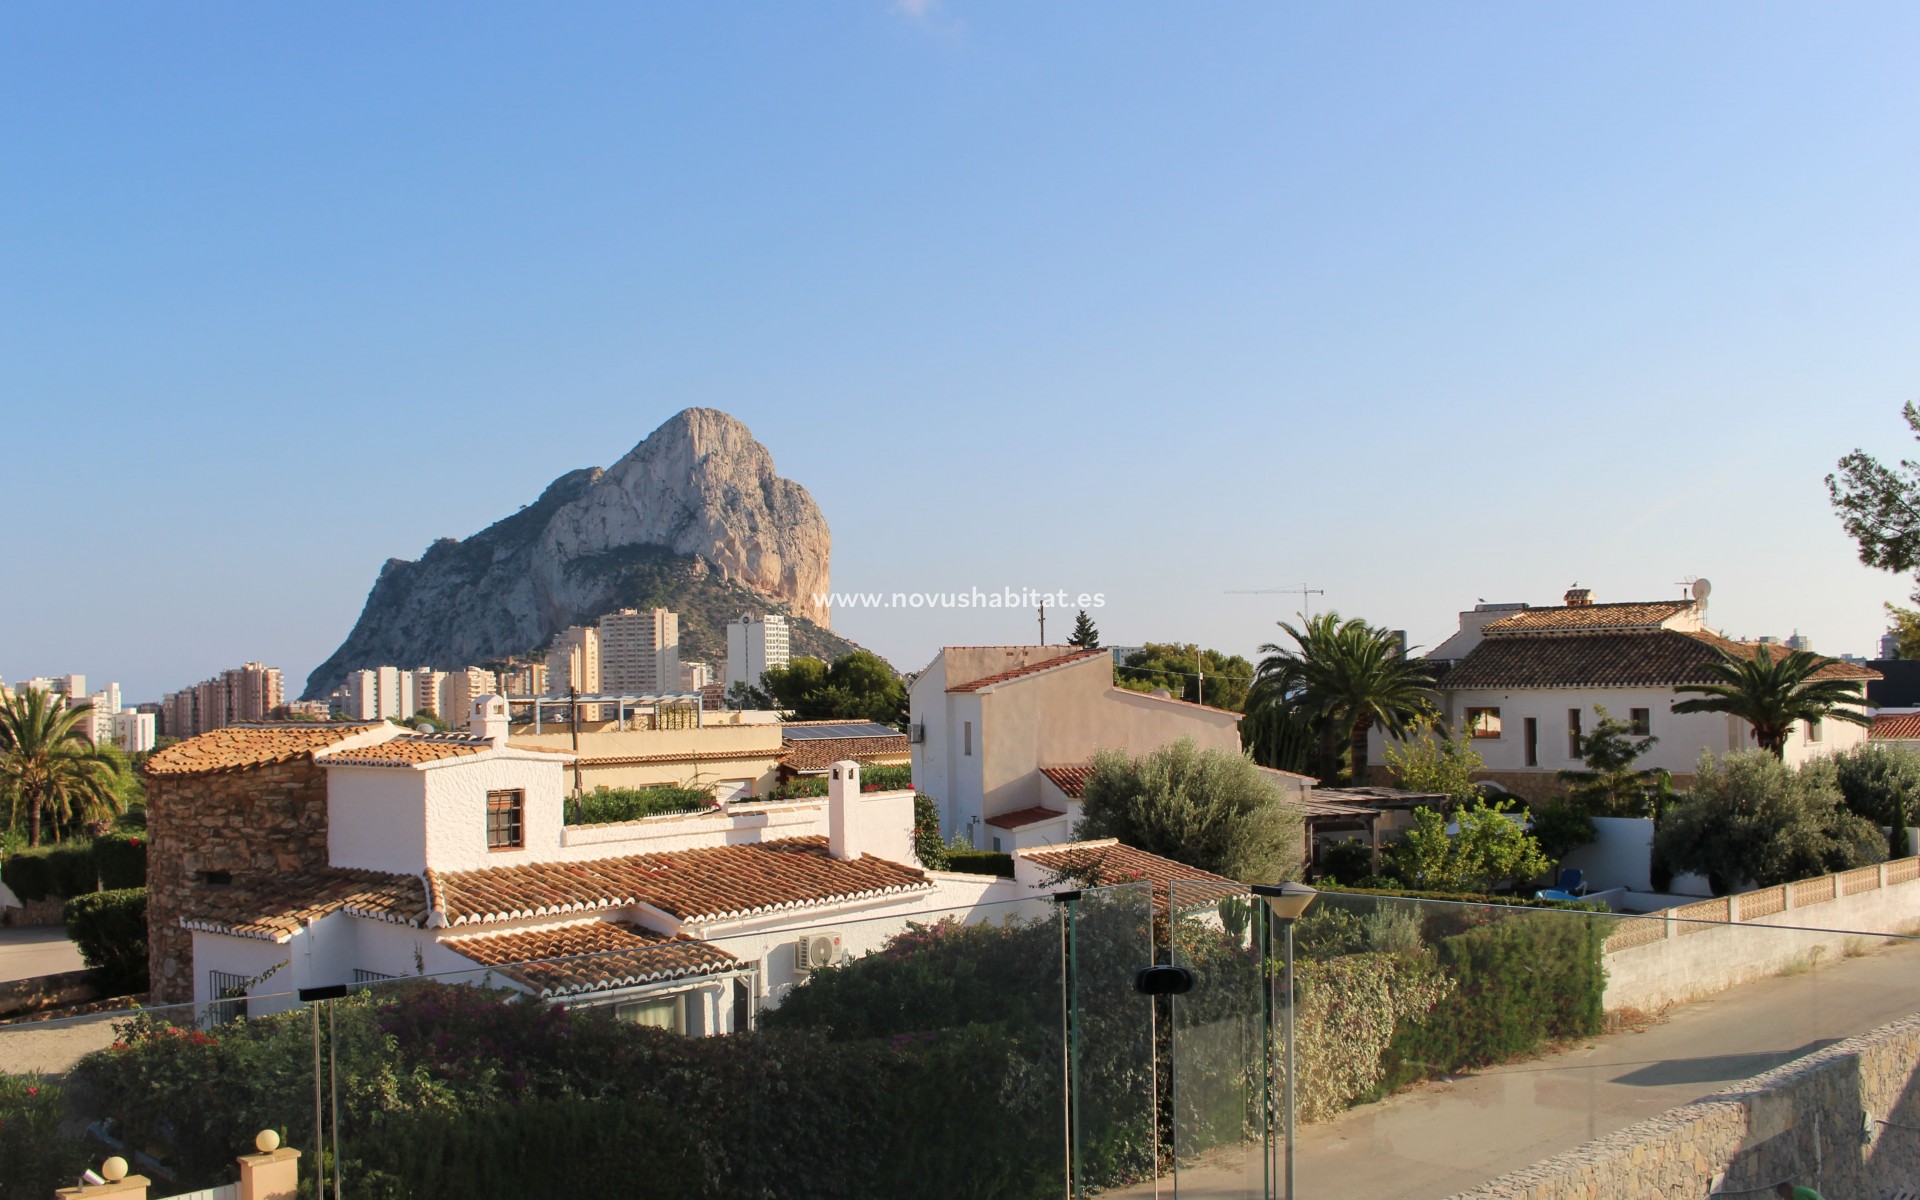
[134,731]
[463,688]
[640,651]
[755,643]
[430,692]
[252,692]
[695,675]
[573,662]
[524,679]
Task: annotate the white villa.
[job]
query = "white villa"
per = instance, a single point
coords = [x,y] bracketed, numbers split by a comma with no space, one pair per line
[447,855]
[1525,682]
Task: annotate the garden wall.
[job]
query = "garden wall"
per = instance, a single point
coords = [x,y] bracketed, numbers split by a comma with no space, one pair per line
[1803,1122]
[1683,954]
[1620,856]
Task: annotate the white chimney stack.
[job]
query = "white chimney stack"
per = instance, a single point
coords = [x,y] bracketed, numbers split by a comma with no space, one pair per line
[489,720]
[843,792]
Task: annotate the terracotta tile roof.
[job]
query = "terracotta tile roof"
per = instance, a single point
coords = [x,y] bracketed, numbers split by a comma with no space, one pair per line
[407,751]
[273,906]
[1896,726]
[621,760]
[1666,658]
[1023,817]
[817,754]
[595,956]
[1030,669]
[239,746]
[1071,780]
[693,885]
[1097,864]
[1644,614]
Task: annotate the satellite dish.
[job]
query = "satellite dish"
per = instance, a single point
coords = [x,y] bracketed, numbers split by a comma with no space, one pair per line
[1702,588]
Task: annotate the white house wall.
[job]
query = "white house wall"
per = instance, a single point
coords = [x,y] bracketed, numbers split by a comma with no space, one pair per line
[376,819]
[457,810]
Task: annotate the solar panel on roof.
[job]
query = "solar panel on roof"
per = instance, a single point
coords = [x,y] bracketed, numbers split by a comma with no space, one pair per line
[850,729]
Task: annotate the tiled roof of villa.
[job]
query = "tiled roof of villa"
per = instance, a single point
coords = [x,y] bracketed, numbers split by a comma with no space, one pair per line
[817,754]
[1100,863]
[1021,818]
[240,746]
[975,685]
[1896,727]
[1070,779]
[1643,614]
[1662,658]
[407,751]
[703,884]
[591,956]
[274,905]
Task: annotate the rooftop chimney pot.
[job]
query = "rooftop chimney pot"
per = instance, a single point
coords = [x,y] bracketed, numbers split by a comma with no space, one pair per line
[1579,597]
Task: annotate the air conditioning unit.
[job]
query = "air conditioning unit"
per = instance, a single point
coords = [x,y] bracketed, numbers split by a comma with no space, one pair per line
[816,950]
[917,734]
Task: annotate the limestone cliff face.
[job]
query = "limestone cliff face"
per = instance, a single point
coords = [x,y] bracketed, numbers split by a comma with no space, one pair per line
[694,518]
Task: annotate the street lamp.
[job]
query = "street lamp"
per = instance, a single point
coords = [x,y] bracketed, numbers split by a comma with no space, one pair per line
[1288,902]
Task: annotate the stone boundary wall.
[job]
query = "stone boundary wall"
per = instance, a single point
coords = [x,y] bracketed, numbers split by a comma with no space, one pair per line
[1805,1122]
[46,991]
[1683,954]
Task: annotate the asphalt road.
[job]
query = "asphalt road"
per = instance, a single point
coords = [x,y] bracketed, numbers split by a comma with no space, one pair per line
[1447,1137]
[36,950]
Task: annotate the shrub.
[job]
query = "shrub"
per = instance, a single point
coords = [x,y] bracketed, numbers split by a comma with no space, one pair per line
[800,788]
[1561,828]
[1349,1009]
[111,930]
[927,846]
[886,778]
[1208,809]
[37,1152]
[121,860]
[979,862]
[1752,817]
[1347,861]
[63,869]
[1880,782]
[605,805]
[1488,850]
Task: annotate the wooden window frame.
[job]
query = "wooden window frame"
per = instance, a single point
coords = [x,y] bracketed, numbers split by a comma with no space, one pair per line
[510,804]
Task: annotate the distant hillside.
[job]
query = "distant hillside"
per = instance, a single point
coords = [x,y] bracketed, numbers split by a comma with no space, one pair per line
[693,519]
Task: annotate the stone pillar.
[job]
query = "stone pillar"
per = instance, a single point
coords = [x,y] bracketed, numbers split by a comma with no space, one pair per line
[119,1184]
[272,1174]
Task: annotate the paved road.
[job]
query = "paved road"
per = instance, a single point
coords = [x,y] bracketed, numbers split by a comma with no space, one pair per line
[1447,1137]
[36,950]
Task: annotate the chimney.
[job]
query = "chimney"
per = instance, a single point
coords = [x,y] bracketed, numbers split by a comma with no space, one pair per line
[843,792]
[1579,597]
[489,719]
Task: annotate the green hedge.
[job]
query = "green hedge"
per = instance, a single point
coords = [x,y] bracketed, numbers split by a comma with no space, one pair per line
[979,862]
[606,805]
[39,1151]
[111,930]
[1464,897]
[65,869]
[886,778]
[121,860]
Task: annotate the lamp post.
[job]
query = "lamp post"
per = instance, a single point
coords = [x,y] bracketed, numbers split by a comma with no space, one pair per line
[1288,902]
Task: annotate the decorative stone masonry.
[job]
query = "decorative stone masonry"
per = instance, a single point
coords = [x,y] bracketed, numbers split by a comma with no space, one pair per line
[1844,1121]
[258,818]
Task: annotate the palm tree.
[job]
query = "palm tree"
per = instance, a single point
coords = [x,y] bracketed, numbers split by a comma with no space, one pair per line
[1346,677]
[50,765]
[1771,694]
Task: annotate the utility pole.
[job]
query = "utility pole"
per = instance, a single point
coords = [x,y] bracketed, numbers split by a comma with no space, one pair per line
[1043,622]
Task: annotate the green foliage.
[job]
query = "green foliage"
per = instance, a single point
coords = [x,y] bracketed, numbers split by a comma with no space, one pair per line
[1347,861]
[1905,624]
[928,849]
[858,686]
[120,859]
[1350,1008]
[1773,694]
[1753,818]
[38,1150]
[883,777]
[1489,850]
[1207,809]
[979,862]
[1280,736]
[61,869]
[1880,507]
[1610,786]
[604,805]
[1521,981]
[1084,634]
[49,769]
[1389,890]
[1880,782]
[110,928]
[1562,828]
[1433,760]
[1178,667]
[1345,677]
[801,787]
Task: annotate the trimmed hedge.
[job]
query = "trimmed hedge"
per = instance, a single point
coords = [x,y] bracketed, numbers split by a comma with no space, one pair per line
[63,869]
[121,860]
[884,778]
[111,930]
[605,805]
[979,862]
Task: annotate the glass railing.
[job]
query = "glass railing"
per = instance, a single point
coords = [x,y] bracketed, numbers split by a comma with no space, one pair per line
[1004,1050]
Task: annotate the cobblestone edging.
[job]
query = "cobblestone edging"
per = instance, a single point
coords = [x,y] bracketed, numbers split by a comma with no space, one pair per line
[1803,1121]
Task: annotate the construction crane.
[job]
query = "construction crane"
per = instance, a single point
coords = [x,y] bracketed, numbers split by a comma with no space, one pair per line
[1305,593]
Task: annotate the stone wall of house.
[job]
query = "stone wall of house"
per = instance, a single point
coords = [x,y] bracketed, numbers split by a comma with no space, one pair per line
[268,818]
[1844,1121]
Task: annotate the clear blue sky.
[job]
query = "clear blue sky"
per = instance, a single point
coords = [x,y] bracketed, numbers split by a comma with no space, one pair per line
[1417,303]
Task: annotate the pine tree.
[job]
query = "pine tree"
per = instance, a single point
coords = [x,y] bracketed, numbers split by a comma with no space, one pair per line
[1084,634]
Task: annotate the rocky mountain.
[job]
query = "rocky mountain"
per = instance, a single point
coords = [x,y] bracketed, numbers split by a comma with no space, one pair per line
[694,518]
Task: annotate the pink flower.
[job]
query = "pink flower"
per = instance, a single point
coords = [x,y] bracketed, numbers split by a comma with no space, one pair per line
[33,1091]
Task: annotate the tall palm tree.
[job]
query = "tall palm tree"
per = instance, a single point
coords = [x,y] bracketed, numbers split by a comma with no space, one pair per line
[1771,694]
[1346,677]
[50,764]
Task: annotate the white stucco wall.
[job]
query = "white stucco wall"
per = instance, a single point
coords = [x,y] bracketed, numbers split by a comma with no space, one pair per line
[1622,856]
[377,819]
[457,809]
